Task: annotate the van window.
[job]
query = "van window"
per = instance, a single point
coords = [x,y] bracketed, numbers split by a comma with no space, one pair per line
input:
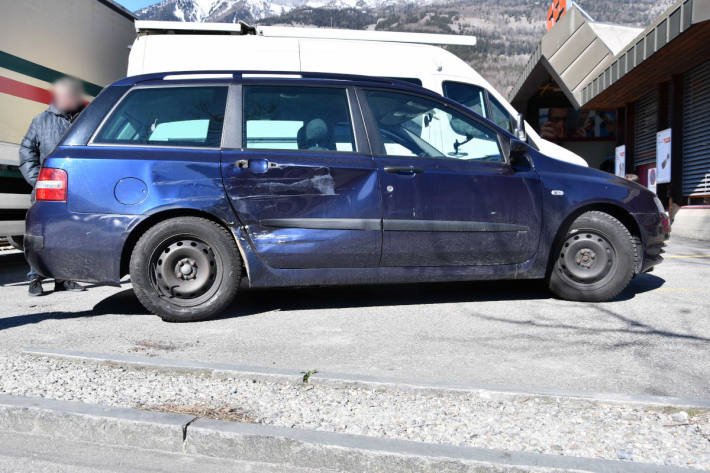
[297,118]
[499,115]
[471,96]
[167,116]
[419,127]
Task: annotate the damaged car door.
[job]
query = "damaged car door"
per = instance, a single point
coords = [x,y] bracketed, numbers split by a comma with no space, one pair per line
[302,181]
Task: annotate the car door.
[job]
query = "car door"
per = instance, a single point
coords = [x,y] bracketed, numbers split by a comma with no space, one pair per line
[449,196]
[301,178]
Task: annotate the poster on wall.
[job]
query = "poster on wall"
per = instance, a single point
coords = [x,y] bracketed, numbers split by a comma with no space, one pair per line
[652,180]
[663,156]
[559,123]
[620,161]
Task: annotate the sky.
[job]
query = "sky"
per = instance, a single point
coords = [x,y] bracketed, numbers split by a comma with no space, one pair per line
[134,5]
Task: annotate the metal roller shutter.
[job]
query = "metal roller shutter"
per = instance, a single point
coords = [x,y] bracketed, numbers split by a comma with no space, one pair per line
[696,134]
[646,126]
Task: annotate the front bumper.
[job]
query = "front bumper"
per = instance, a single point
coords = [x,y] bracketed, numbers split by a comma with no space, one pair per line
[655,230]
[75,246]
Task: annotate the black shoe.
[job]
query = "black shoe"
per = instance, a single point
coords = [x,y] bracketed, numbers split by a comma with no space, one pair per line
[36,287]
[72,286]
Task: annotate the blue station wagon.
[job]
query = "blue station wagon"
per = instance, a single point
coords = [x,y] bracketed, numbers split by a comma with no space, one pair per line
[194,182]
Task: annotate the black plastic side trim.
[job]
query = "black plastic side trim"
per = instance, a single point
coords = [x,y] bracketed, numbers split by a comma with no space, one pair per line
[450,226]
[325,223]
[392,225]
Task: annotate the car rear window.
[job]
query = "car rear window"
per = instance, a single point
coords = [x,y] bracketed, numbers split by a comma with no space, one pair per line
[167,116]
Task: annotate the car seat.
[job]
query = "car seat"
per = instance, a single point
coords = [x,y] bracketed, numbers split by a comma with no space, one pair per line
[315,135]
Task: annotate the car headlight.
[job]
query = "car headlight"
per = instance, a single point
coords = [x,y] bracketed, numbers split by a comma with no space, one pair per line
[659,204]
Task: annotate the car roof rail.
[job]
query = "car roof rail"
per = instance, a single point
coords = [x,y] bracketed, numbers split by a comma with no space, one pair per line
[225,75]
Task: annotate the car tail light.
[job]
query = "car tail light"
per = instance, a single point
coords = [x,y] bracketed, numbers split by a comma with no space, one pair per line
[666,224]
[51,185]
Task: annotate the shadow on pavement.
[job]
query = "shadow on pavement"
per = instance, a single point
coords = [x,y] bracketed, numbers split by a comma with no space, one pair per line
[253,302]
[265,300]
[124,303]
[13,268]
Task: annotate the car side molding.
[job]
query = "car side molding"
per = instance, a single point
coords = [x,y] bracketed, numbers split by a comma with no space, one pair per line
[397,225]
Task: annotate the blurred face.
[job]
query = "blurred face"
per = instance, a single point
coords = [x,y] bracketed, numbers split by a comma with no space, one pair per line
[67,97]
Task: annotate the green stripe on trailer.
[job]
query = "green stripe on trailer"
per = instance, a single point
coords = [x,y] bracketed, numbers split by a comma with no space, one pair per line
[14,173]
[28,68]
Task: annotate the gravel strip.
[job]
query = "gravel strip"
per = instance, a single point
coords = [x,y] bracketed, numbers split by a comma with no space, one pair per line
[558,426]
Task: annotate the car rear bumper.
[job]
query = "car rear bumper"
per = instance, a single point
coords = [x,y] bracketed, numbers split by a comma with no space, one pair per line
[75,246]
[655,229]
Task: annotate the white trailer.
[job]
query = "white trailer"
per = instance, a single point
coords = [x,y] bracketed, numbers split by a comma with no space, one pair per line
[42,41]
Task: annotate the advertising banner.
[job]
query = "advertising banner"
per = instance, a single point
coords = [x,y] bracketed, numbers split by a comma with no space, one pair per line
[663,156]
[652,180]
[620,162]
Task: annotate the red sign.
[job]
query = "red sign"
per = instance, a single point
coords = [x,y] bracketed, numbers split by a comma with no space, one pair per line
[557,9]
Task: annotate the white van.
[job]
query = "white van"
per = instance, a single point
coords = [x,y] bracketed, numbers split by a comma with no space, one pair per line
[166,46]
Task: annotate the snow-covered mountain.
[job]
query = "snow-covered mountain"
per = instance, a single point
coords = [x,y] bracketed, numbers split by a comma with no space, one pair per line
[246,10]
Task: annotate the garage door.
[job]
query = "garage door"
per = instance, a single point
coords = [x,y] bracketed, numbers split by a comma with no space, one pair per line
[646,126]
[696,132]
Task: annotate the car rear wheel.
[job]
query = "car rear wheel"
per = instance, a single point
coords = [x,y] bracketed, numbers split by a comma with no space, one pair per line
[186,269]
[595,260]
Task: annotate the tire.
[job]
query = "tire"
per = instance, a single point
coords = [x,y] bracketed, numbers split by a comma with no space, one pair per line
[16,241]
[595,260]
[186,269]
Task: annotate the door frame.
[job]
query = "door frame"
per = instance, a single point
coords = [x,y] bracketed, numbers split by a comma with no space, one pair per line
[373,135]
[233,127]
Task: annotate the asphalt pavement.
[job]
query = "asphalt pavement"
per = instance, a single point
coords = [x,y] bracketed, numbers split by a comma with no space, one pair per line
[653,339]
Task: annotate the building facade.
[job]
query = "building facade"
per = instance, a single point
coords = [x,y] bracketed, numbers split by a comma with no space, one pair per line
[650,86]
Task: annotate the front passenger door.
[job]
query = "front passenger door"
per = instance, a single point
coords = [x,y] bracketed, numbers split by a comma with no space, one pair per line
[449,196]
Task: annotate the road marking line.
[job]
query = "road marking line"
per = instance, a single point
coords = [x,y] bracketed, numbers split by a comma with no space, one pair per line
[686,256]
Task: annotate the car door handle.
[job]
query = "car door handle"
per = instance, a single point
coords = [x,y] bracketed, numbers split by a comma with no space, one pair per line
[256,165]
[403,170]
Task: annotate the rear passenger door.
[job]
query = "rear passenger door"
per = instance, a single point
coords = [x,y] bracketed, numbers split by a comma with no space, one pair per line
[301,178]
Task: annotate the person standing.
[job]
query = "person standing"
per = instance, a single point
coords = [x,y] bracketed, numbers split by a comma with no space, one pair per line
[43,135]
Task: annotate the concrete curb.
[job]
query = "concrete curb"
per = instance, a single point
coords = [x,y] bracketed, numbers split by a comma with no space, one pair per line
[93,423]
[339,380]
[278,445]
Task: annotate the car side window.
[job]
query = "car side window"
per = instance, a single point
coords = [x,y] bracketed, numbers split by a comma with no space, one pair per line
[167,116]
[499,115]
[410,125]
[297,118]
[471,96]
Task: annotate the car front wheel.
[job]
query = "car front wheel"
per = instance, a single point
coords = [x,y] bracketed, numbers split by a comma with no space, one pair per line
[595,261]
[186,269]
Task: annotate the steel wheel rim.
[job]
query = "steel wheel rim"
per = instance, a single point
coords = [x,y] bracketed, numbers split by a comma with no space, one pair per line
[587,258]
[185,270]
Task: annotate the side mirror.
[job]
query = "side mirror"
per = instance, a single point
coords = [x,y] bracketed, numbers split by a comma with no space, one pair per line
[519,155]
[520,128]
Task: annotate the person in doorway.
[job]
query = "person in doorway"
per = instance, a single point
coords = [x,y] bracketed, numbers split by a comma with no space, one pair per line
[43,135]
